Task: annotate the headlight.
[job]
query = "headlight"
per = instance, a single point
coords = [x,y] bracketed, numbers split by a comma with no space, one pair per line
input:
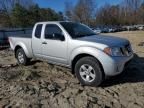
[115,51]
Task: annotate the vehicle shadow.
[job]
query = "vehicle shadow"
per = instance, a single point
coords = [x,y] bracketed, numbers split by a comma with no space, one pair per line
[3,47]
[33,62]
[134,73]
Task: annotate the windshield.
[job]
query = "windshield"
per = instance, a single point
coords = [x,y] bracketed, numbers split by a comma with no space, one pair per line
[77,30]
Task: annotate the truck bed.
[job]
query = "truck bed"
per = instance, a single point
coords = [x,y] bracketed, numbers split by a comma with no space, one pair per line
[24,41]
[22,36]
[6,32]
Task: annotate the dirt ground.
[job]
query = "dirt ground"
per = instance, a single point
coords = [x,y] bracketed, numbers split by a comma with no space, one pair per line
[41,85]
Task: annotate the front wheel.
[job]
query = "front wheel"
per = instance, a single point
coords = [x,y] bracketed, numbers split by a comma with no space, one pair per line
[21,57]
[89,72]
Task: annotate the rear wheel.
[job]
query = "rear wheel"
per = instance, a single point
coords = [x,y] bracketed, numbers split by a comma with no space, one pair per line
[89,72]
[21,57]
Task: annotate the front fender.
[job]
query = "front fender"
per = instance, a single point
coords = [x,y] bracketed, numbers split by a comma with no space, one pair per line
[85,50]
[105,60]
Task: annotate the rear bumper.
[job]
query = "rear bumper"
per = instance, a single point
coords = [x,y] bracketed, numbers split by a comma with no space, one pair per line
[116,65]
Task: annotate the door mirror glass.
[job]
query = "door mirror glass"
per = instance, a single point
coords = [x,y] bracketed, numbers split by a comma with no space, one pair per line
[58,36]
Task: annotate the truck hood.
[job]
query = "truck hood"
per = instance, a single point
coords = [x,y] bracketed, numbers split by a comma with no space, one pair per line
[110,41]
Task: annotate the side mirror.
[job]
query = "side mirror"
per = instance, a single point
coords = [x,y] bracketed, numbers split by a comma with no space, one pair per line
[58,36]
[62,38]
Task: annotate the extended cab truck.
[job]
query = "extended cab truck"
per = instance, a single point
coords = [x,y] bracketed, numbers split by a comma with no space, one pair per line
[91,57]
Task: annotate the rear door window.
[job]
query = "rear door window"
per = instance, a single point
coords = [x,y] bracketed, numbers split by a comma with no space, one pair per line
[38,31]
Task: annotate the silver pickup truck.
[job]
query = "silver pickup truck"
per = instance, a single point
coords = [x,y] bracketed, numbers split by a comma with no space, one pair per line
[91,57]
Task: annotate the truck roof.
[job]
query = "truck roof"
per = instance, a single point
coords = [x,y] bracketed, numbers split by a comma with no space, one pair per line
[51,22]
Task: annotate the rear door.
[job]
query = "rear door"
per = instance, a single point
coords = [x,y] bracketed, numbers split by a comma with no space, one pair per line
[37,41]
[54,46]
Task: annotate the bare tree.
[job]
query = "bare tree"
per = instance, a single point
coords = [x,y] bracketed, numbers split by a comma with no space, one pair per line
[141,14]
[108,15]
[132,5]
[130,10]
[69,11]
[83,11]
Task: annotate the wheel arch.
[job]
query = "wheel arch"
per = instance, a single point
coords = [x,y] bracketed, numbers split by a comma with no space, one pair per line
[79,56]
[16,48]
[21,45]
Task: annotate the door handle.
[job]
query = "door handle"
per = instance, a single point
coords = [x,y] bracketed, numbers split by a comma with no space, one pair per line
[44,42]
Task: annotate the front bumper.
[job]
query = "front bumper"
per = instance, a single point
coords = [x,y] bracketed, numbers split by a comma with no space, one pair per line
[116,65]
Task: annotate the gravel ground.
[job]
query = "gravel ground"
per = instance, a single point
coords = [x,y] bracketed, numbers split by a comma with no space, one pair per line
[40,85]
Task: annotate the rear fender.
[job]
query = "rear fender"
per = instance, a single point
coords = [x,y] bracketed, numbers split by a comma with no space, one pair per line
[23,46]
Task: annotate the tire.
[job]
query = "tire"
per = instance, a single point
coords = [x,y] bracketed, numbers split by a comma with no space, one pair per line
[89,72]
[21,57]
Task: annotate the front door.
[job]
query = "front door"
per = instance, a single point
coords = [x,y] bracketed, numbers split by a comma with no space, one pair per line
[54,44]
